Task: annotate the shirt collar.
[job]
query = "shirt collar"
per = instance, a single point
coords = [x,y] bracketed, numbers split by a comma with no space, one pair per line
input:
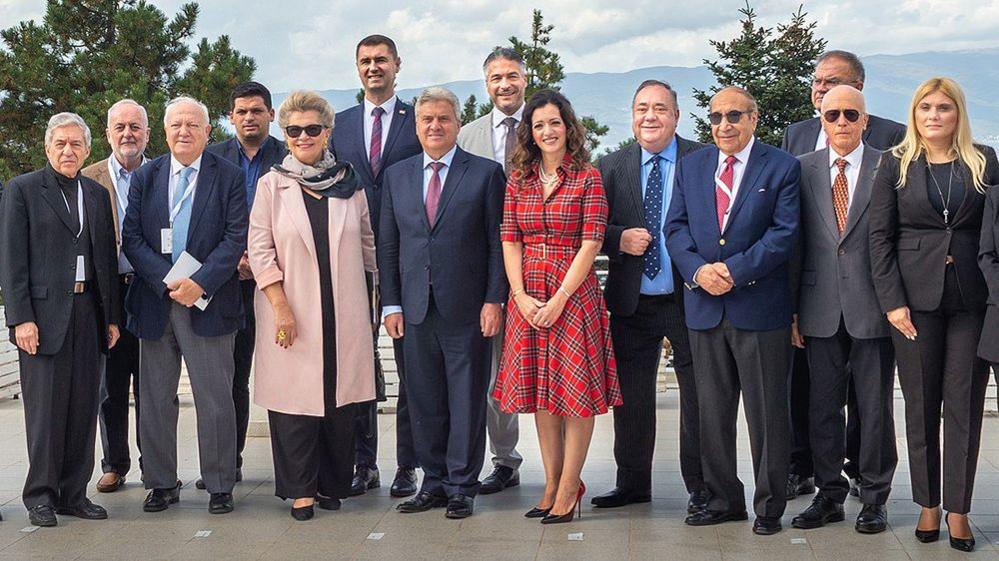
[117,168]
[742,155]
[388,106]
[260,150]
[176,166]
[499,116]
[446,159]
[668,153]
[853,158]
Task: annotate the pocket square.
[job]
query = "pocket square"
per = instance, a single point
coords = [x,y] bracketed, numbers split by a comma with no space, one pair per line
[763,190]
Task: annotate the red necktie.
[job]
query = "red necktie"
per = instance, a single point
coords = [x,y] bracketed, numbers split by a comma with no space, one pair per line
[434,193]
[375,152]
[722,198]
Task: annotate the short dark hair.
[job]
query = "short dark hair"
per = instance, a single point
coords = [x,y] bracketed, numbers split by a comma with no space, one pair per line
[505,53]
[374,41]
[652,83]
[848,57]
[249,89]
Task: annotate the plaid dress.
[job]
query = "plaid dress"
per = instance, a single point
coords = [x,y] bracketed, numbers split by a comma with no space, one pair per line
[567,369]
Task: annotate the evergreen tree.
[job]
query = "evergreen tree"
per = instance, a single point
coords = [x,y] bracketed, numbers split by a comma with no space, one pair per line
[469,111]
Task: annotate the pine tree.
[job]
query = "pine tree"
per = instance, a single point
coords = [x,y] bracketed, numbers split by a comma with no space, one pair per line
[469,111]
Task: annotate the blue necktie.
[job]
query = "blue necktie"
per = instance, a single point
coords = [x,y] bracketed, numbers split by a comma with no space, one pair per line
[653,217]
[182,221]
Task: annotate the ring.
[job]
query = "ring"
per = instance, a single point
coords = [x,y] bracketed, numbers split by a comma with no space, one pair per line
[282,335]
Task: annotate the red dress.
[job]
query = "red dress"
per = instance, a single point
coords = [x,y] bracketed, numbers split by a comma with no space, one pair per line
[567,369]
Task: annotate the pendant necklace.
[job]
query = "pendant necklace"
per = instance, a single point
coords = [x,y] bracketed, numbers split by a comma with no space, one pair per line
[950,184]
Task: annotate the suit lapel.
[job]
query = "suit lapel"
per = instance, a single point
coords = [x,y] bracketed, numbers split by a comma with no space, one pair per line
[916,184]
[355,124]
[337,220]
[821,187]
[812,136]
[415,192]
[161,192]
[291,196]
[862,190]
[203,191]
[53,196]
[633,180]
[402,112]
[755,165]
[110,185]
[459,164]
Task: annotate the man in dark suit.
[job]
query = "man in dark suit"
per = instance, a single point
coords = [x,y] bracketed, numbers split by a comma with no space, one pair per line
[58,270]
[444,285]
[832,69]
[839,323]
[644,297]
[730,231]
[254,150]
[355,140]
[190,206]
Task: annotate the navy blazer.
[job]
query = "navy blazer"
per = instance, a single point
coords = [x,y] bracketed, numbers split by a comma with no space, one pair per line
[347,144]
[460,259]
[756,245]
[217,238]
[273,152]
[880,134]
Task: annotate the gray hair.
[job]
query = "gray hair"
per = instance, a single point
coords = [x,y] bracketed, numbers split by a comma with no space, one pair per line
[741,91]
[66,119]
[437,93]
[185,99]
[123,103]
[306,100]
[507,54]
[847,57]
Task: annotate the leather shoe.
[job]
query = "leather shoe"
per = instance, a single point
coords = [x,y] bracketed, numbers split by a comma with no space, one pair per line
[160,499]
[872,519]
[200,483]
[698,500]
[364,478]
[303,513]
[797,486]
[110,482]
[766,525]
[220,503]
[328,503]
[711,517]
[502,477]
[459,506]
[85,509]
[422,502]
[404,483]
[617,497]
[42,515]
[822,511]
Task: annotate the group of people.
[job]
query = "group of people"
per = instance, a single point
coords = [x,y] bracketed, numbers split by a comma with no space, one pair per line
[794,278]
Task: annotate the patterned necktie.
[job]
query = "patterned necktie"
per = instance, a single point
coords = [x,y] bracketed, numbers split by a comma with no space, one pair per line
[653,218]
[511,143]
[434,192]
[375,152]
[722,198]
[841,195]
[181,222]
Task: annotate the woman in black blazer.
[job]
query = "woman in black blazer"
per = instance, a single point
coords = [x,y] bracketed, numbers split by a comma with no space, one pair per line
[988,261]
[926,218]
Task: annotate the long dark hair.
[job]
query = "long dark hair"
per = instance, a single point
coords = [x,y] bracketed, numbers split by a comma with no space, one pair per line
[527,152]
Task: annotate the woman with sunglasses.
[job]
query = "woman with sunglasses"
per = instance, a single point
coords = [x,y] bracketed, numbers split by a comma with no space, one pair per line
[312,252]
[926,216]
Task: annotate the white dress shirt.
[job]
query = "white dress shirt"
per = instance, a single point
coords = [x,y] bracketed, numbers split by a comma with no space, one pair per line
[121,178]
[738,170]
[500,131]
[822,141]
[389,107]
[853,161]
[175,168]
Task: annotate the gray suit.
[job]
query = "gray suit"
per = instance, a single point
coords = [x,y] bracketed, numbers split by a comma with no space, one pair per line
[503,428]
[847,337]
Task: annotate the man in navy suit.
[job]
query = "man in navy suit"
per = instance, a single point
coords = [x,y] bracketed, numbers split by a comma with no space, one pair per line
[730,230]
[444,285]
[186,202]
[373,135]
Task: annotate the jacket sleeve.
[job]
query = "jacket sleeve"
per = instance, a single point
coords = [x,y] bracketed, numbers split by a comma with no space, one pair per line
[388,249]
[679,241]
[612,237]
[112,316]
[147,262]
[988,254]
[497,287]
[221,263]
[883,228]
[15,271]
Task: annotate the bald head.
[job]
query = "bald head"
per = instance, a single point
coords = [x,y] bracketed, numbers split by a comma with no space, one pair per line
[844,118]
[844,94]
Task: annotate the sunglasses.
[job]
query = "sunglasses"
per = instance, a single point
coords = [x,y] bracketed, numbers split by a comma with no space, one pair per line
[732,117]
[294,131]
[832,115]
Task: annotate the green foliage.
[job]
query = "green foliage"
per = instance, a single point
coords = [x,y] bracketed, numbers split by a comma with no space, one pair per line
[360,96]
[620,145]
[472,109]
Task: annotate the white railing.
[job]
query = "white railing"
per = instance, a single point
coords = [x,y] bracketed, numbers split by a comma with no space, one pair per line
[10,383]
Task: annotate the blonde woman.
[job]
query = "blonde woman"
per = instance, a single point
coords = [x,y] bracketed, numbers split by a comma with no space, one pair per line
[926,215]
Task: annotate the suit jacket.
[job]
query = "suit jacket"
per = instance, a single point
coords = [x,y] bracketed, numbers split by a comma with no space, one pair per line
[832,273]
[460,259]
[988,261]
[881,134]
[622,176]
[347,143]
[99,173]
[38,259]
[477,137]
[756,245]
[910,242]
[216,238]
[273,152]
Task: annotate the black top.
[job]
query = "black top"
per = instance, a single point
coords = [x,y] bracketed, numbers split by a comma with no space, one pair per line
[319,212]
[944,190]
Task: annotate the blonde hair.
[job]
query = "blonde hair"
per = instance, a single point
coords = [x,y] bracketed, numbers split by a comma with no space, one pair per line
[913,146]
[306,100]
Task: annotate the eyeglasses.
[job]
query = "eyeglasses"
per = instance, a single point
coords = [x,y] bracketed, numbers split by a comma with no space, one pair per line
[832,115]
[294,131]
[732,117]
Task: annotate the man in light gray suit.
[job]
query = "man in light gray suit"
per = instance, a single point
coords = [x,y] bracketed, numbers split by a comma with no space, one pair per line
[839,323]
[494,136]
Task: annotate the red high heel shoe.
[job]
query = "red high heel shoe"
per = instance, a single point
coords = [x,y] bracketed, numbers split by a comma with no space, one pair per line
[576,510]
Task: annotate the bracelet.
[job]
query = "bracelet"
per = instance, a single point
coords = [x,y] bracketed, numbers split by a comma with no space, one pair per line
[564,291]
[517,292]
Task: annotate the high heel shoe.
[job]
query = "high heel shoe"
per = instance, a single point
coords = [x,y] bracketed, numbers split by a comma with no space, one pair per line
[966,545]
[303,513]
[928,536]
[537,512]
[576,510]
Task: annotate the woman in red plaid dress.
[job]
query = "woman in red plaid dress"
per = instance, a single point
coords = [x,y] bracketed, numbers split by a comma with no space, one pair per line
[557,361]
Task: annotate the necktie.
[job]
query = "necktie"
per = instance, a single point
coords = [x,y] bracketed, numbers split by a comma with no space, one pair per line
[434,192]
[511,143]
[722,197]
[182,221]
[653,217]
[841,195]
[375,152]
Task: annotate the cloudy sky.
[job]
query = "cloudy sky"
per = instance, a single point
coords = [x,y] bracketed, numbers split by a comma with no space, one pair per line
[310,43]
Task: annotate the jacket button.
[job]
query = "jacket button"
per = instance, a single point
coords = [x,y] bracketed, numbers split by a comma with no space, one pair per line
[721,241]
[842,252]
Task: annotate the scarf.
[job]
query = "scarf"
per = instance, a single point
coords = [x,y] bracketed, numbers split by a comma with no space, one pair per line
[327,177]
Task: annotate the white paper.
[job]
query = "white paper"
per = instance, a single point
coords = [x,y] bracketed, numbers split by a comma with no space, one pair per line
[28,529]
[798,541]
[576,537]
[376,535]
[186,266]
[202,533]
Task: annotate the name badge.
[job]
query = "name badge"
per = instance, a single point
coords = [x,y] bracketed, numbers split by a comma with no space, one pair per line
[166,240]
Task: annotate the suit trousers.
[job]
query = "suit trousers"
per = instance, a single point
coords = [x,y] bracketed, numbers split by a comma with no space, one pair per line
[243,363]
[727,362]
[60,394]
[940,368]
[448,371]
[503,428]
[121,377]
[210,369]
[638,347]
[837,363]
[366,420]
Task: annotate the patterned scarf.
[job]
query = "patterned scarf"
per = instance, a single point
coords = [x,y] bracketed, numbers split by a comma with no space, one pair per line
[327,177]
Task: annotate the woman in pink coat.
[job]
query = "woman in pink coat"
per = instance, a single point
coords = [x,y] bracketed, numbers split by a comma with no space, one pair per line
[312,252]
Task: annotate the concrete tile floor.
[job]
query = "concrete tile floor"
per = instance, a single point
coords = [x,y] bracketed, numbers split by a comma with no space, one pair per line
[260,528]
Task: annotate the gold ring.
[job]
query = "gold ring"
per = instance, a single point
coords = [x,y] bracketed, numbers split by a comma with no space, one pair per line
[282,335]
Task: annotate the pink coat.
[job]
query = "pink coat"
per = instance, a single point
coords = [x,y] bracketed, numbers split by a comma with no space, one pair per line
[282,248]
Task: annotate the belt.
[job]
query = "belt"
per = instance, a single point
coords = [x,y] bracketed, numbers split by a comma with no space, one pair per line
[949,260]
[126,278]
[79,287]
[545,248]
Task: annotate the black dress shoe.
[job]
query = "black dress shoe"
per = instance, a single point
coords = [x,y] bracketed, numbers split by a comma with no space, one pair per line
[328,503]
[873,519]
[797,486]
[501,478]
[619,497]
[766,525]
[698,500]
[404,483]
[200,483]
[711,517]
[459,506]
[422,502]
[303,513]
[220,503]
[966,545]
[42,515]
[160,499]
[821,512]
[364,478]
[86,510]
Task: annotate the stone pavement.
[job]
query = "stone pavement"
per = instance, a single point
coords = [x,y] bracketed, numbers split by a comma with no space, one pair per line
[368,528]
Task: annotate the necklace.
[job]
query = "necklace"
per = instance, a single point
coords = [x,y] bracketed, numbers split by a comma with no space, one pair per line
[548,181]
[950,184]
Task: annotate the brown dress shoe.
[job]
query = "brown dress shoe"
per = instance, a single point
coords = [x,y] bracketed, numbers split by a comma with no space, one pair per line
[110,482]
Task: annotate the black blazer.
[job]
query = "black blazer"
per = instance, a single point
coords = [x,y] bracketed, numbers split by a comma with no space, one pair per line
[273,152]
[988,261]
[38,260]
[881,134]
[910,242]
[621,172]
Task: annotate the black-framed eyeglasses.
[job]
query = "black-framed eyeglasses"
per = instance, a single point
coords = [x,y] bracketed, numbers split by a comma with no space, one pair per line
[294,131]
[732,117]
[832,115]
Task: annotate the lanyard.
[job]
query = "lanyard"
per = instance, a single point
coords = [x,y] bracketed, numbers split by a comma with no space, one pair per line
[187,193]
[79,204]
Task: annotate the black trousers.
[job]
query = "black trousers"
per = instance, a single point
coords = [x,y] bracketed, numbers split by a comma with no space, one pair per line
[638,346]
[243,357]
[940,368]
[366,421]
[60,395]
[729,362]
[121,376]
[313,454]
[868,365]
